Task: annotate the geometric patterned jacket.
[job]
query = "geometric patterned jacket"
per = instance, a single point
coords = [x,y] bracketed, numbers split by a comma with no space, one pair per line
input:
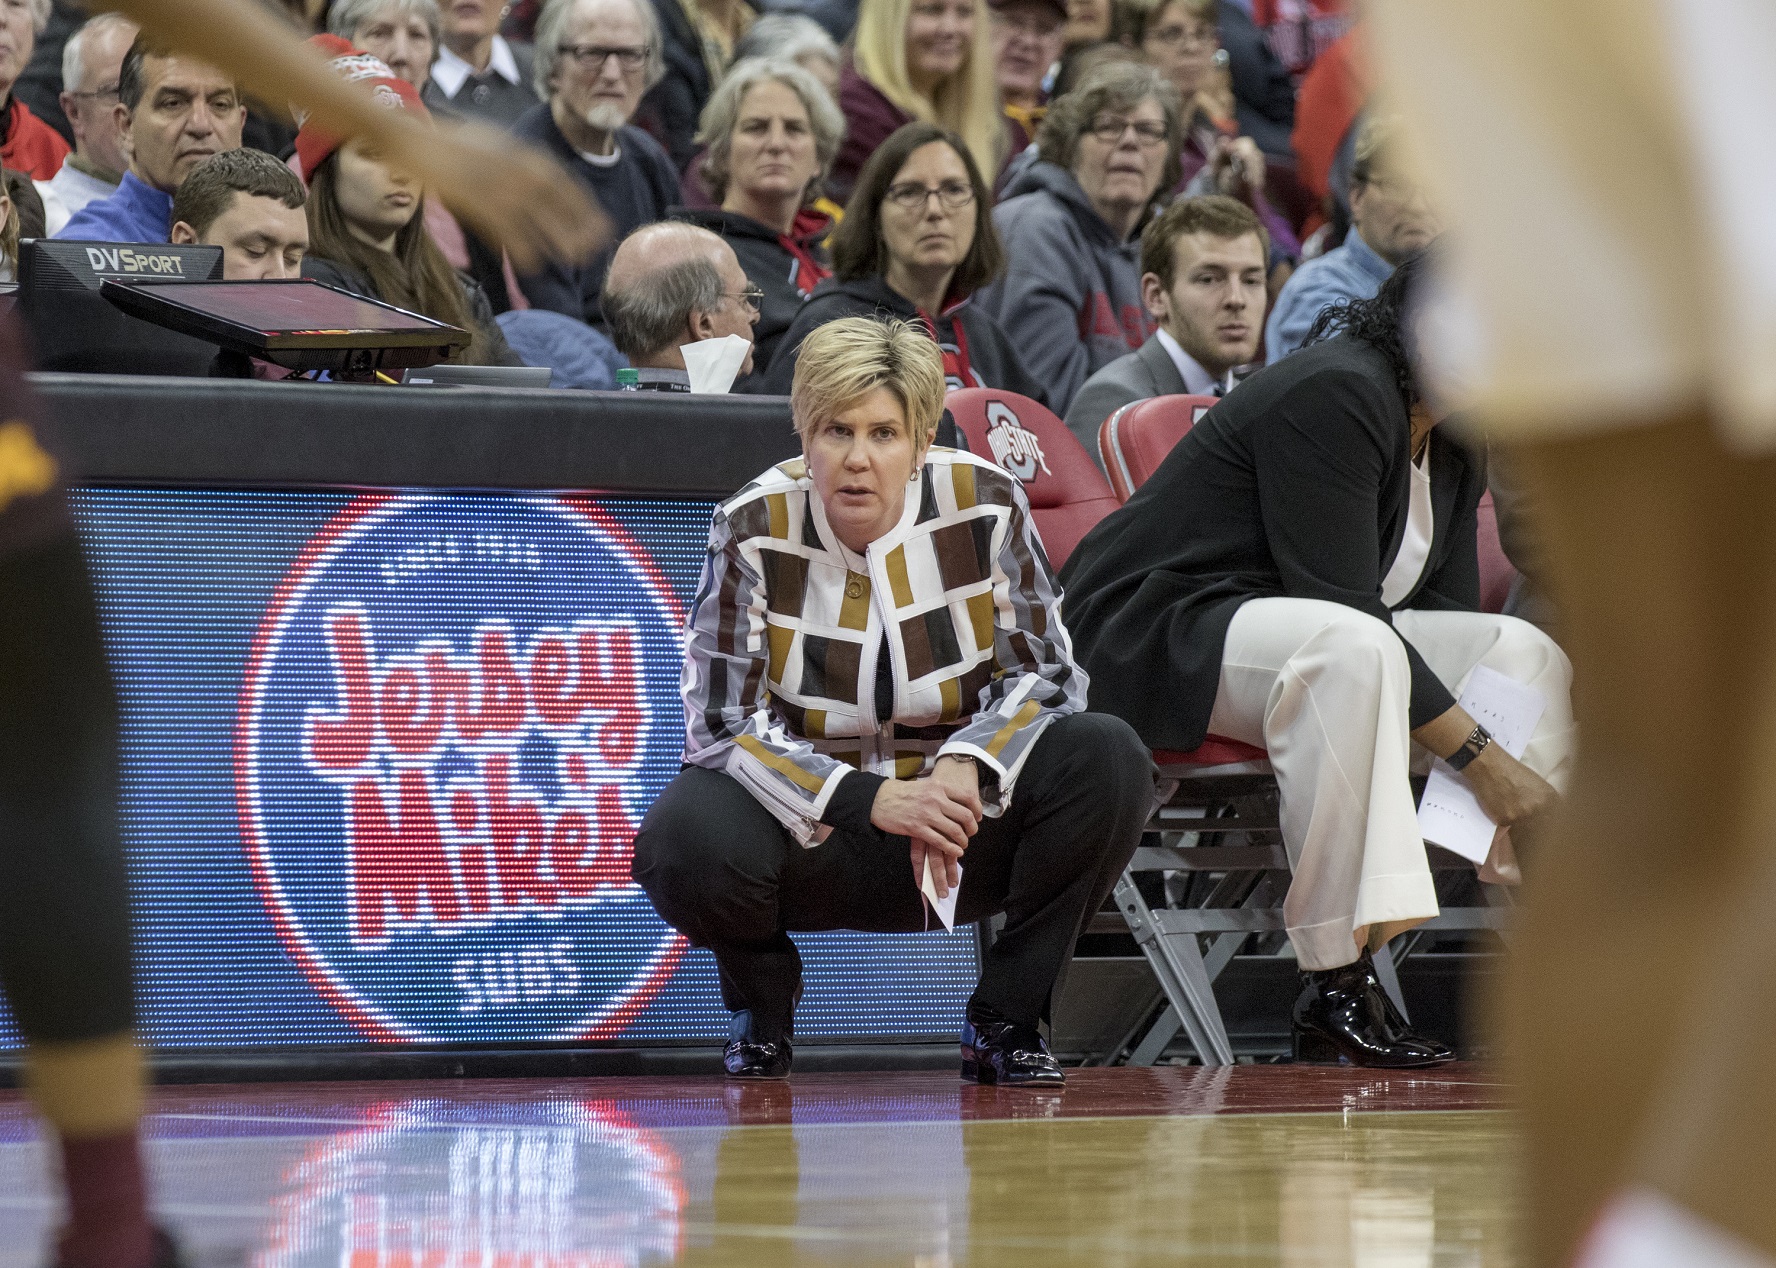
[783,638]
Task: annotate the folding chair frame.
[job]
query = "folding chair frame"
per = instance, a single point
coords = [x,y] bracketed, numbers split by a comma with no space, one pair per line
[1246,884]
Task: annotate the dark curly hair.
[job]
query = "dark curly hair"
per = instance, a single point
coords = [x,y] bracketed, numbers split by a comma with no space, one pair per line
[1382,322]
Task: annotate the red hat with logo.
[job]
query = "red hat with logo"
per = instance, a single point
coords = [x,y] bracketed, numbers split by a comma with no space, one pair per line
[356,67]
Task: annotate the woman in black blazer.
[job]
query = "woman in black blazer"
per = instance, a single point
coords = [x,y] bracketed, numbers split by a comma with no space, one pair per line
[1301,574]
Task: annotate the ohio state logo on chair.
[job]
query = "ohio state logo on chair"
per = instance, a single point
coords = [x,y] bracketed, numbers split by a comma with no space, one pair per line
[454,714]
[1067,491]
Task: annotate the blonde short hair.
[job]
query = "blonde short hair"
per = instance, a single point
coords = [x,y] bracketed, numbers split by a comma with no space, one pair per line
[845,360]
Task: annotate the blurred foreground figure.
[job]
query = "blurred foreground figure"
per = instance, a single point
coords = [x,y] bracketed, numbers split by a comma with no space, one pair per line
[65,955]
[1606,165]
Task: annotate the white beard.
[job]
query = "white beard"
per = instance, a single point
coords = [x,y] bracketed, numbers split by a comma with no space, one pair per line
[605,118]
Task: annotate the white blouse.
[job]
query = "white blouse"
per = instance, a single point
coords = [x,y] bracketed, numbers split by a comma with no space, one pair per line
[1415,546]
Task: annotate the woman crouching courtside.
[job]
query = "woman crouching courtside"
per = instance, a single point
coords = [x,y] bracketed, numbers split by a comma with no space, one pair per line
[876,674]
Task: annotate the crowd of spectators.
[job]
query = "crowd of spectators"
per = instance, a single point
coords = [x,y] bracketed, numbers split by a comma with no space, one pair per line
[993,170]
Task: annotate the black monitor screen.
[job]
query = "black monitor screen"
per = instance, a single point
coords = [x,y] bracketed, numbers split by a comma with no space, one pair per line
[295,307]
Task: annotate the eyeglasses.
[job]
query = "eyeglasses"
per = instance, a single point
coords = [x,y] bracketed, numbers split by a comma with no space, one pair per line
[1184,36]
[98,94]
[752,297]
[912,196]
[594,56]
[1110,131]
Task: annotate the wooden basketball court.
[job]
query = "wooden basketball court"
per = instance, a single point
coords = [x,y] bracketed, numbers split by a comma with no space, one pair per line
[1239,1166]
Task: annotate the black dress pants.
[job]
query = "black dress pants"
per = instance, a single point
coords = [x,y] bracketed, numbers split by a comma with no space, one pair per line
[725,873]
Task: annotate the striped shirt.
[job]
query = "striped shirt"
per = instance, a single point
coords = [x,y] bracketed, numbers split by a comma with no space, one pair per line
[784,635]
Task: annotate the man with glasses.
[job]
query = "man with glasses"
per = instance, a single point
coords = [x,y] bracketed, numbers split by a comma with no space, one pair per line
[673,284]
[1391,219]
[176,112]
[594,61]
[92,61]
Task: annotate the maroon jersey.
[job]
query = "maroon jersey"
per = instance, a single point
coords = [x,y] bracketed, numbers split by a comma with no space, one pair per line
[33,507]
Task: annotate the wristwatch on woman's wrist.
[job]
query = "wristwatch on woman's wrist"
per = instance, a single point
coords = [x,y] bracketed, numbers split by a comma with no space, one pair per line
[1471,748]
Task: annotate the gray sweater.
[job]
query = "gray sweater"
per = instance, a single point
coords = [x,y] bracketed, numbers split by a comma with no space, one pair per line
[1070,301]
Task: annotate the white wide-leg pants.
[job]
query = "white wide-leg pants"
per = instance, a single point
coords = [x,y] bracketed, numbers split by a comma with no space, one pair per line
[1325,690]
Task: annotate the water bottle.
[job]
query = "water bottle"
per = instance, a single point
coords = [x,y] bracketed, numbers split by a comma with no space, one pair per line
[628,380]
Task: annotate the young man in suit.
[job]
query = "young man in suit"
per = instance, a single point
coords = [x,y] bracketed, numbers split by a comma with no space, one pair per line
[1203,266]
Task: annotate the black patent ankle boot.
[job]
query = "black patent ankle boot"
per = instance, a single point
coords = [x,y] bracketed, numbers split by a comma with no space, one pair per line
[1012,1054]
[1340,1019]
[753,1053]
[1398,1026]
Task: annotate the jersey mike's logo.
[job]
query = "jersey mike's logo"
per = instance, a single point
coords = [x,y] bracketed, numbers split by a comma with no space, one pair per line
[455,713]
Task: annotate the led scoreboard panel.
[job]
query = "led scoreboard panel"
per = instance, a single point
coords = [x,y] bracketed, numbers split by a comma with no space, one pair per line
[384,754]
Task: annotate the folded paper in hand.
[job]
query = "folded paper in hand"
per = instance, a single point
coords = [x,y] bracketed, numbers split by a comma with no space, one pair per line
[1450,814]
[714,364]
[944,907]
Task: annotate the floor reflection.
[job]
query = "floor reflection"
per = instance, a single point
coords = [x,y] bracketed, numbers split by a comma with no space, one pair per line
[564,1185]
[909,1173]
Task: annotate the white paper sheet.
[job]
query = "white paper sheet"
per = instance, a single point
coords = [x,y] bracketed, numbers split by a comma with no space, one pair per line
[944,907]
[714,364]
[1450,814]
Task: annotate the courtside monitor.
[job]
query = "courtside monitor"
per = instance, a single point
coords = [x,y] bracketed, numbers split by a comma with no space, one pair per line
[73,328]
[297,323]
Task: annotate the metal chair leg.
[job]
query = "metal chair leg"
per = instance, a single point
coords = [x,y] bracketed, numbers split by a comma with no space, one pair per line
[1178,964]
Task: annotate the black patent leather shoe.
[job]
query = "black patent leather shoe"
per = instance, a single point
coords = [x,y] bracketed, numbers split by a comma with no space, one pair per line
[997,1051]
[1398,1026]
[752,1055]
[1340,1019]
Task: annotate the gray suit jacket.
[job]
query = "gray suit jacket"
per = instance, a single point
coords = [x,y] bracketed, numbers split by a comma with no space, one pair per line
[1147,371]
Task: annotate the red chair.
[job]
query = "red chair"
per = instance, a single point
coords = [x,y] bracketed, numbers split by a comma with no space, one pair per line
[1136,438]
[1067,492]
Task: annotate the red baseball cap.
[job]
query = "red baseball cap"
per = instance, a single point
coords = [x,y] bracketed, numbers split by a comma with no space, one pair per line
[357,67]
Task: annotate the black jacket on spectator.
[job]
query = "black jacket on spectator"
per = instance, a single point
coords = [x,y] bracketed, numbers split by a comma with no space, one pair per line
[768,265]
[635,190]
[491,97]
[496,350]
[1296,485]
[671,108]
[990,354]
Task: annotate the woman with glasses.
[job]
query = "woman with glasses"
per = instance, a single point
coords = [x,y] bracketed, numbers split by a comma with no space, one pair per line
[918,59]
[1071,221]
[771,132]
[1179,38]
[916,243]
[92,60]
